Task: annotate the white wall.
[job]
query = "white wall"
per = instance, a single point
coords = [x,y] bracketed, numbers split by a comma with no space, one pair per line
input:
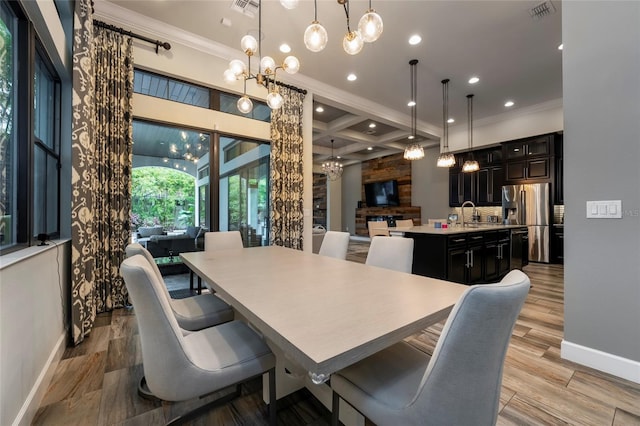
[34,312]
[523,122]
[351,194]
[601,85]
[430,186]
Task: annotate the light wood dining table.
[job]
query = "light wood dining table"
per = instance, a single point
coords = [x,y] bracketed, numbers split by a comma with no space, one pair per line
[323,313]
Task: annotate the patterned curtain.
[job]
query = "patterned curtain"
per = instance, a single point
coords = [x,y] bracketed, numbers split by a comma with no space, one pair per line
[101,168]
[286,216]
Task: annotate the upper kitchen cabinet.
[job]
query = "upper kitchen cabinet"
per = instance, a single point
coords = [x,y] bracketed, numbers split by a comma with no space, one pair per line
[539,146]
[530,159]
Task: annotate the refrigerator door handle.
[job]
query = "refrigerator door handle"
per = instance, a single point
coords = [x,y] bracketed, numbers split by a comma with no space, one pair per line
[523,204]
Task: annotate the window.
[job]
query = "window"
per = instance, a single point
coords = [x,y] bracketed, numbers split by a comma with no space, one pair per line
[46,159]
[147,83]
[8,139]
[30,137]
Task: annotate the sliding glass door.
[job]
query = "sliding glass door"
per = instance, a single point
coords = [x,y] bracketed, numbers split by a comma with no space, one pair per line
[244,189]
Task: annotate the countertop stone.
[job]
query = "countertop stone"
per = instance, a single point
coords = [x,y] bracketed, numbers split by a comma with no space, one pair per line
[429,229]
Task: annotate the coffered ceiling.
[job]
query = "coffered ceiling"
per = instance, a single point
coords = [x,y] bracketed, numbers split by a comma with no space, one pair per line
[514,54]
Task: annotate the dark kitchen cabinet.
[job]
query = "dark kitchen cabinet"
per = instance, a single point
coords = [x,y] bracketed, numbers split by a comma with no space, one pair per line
[497,255]
[557,244]
[474,257]
[559,173]
[539,146]
[461,187]
[534,169]
[489,188]
[465,260]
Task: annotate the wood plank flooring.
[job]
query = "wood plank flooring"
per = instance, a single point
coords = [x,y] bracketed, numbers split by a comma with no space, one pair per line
[95,383]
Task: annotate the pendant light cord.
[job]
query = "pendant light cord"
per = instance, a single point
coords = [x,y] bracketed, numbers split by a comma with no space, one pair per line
[315,8]
[414,97]
[470,120]
[445,114]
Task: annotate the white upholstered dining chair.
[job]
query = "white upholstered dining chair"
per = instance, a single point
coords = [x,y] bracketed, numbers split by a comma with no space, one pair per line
[192,313]
[179,367]
[392,253]
[459,384]
[335,244]
[218,240]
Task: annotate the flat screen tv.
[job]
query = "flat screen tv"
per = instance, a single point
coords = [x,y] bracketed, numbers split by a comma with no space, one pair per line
[383,193]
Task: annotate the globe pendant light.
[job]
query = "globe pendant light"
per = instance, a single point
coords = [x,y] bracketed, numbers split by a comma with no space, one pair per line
[445,159]
[414,151]
[352,42]
[315,36]
[370,25]
[470,165]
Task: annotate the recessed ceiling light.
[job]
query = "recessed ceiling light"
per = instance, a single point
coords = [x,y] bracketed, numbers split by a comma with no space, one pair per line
[508,104]
[338,157]
[352,77]
[285,48]
[370,148]
[372,125]
[411,103]
[474,80]
[560,47]
[415,39]
[319,109]
[451,120]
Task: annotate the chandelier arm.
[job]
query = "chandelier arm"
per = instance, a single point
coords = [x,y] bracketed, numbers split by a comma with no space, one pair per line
[315,8]
[259,36]
[346,11]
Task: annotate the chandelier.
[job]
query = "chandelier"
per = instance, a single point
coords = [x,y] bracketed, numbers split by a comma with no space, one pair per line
[370,28]
[332,168]
[266,75]
[445,159]
[414,151]
[470,165]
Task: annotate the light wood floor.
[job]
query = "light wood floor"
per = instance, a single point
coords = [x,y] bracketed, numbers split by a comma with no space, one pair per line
[95,383]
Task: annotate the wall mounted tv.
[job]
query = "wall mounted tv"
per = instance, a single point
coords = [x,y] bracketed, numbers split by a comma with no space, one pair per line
[385,193]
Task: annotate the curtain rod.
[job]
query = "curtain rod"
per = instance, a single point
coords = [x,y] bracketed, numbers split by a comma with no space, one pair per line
[288,86]
[158,43]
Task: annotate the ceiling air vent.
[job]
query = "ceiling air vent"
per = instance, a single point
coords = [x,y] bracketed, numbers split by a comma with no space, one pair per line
[246,7]
[543,9]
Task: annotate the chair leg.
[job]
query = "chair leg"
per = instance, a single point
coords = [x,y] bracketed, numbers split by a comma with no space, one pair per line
[335,409]
[273,411]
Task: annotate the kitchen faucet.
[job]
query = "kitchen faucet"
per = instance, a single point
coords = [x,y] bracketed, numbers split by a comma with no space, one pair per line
[473,212]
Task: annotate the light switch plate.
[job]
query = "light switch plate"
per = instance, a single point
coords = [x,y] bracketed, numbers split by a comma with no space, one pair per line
[605,209]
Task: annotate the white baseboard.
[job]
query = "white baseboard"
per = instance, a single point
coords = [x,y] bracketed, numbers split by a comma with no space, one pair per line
[612,364]
[30,406]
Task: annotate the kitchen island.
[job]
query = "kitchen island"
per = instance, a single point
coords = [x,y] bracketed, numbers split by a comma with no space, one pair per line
[475,254]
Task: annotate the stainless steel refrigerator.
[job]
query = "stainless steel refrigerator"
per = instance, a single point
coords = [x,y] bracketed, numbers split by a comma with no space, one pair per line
[529,204]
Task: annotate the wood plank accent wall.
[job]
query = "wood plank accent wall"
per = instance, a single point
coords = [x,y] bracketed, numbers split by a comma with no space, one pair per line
[382,169]
[388,168]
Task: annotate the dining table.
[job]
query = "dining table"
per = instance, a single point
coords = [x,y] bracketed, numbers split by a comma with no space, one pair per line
[323,313]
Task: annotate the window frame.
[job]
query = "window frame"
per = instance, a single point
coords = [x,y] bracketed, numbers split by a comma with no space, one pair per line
[28,45]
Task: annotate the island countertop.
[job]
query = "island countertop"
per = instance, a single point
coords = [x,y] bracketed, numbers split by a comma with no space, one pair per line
[459,229]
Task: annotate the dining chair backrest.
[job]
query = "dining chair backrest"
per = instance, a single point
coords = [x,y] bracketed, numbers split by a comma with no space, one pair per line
[136,248]
[163,348]
[391,253]
[378,228]
[335,244]
[222,240]
[462,382]
[404,223]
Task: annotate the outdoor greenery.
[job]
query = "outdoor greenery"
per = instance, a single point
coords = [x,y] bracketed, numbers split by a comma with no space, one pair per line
[162,196]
